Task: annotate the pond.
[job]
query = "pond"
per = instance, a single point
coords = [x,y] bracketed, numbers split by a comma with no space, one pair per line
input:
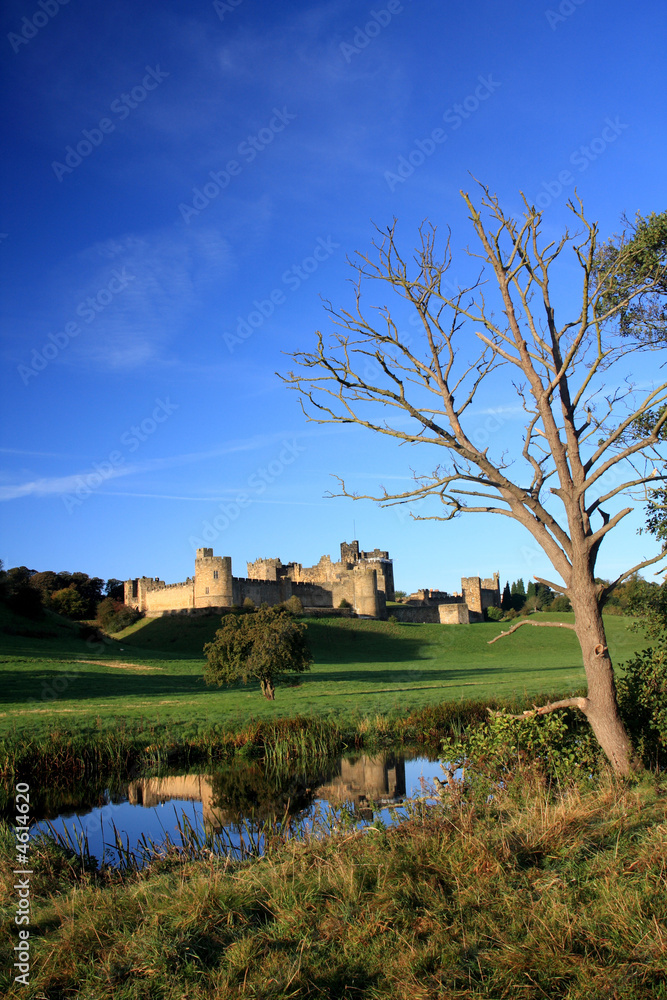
[230,809]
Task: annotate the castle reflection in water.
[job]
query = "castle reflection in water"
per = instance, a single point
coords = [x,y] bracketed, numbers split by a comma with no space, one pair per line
[362,782]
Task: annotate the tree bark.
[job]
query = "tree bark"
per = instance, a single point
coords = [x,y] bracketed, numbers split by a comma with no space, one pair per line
[268,690]
[601,706]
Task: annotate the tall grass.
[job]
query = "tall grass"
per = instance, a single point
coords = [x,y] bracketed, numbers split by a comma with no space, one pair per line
[528,895]
[74,753]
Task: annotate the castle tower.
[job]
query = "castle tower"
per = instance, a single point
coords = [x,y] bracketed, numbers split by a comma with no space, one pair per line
[349,552]
[213,580]
[366,597]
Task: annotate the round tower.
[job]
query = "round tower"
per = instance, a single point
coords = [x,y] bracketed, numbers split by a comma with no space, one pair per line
[366,592]
[213,580]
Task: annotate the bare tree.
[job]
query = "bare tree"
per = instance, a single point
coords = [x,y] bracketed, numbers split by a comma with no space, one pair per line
[581,450]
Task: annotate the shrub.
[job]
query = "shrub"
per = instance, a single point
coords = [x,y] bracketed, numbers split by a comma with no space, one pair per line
[68,602]
[344,604]
[114,616]
[559,744]
[560,604]
[249,603]
[26,601]
[495,614]
[642,700]
[294,605]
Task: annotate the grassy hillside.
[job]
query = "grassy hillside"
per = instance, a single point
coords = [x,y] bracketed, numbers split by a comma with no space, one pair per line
[151,674]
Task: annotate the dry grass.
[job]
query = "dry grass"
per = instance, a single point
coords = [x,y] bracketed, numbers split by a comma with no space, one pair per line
[531,895]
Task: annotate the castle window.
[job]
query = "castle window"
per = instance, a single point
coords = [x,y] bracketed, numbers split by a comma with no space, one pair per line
[207,590]
[215,574]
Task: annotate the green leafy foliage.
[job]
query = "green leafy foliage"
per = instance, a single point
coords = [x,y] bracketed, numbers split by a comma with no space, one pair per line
[114,616]
[18,593]
[558,744]
[642,699]
[625,265]
[294,605]
[495,614]
[68,602]
[257,646]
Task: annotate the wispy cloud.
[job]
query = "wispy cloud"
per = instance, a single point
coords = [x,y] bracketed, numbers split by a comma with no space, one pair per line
[159,280]
[211,499]
[36,454]
[60,485]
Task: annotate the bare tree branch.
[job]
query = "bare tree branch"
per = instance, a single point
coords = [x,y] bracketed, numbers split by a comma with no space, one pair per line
[552,706]
[536,625]
[581,448]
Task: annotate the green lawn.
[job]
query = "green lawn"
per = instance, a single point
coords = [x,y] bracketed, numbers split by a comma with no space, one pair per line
[151,674]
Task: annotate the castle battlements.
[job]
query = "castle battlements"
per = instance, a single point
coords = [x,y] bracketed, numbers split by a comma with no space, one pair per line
[364,584]
[361,580]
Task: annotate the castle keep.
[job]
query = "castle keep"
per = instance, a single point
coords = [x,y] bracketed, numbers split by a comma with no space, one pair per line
[365,580]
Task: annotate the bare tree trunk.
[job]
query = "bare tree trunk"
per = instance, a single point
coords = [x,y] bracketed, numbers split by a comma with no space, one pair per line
[268,690]
[601,707]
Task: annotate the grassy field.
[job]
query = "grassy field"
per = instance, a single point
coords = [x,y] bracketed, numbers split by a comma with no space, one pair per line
[151,674]
[524,895]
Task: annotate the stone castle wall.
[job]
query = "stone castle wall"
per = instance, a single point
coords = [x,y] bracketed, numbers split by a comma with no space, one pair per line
[365,580]
[480,594]
[328,571]
[268,582]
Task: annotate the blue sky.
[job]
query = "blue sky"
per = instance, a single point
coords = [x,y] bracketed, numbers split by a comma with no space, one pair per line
[183,186]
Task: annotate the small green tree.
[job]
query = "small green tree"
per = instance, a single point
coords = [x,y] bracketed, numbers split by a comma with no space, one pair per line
[506,601]
[69,603]
[259,646]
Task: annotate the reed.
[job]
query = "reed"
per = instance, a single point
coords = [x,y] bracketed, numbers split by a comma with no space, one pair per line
[552,893]
[76,753]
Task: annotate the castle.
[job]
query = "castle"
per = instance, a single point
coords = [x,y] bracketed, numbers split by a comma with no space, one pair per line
[364,580]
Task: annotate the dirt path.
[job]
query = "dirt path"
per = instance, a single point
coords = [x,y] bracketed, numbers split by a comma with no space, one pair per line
[121,666]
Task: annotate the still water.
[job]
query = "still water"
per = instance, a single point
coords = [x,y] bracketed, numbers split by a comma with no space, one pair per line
[231,804]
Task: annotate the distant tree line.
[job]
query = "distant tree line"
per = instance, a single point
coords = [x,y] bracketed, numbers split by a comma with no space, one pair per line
[627,598]
[73,595]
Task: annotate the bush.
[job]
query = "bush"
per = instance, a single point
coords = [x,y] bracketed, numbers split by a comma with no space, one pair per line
[344,604]
[114,616]
[495,614]
[26,601]
[294,605]
[642,700]
[560,604]
[559,744]
[249,604]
